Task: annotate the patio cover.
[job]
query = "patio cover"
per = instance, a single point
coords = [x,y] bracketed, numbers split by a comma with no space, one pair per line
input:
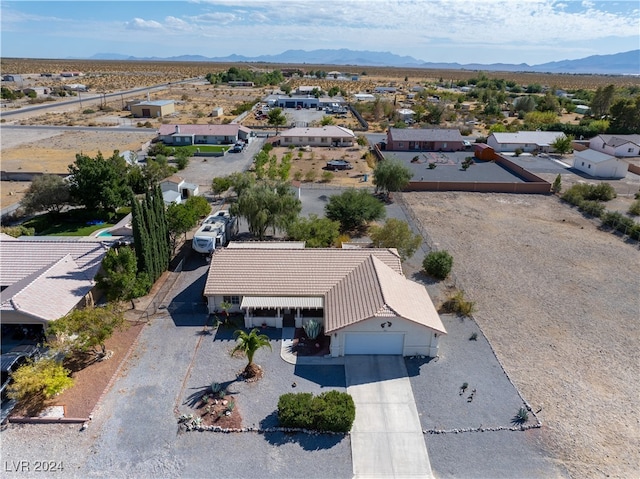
[282,302]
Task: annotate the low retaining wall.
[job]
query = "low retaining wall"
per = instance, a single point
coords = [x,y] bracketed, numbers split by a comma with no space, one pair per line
[479,187]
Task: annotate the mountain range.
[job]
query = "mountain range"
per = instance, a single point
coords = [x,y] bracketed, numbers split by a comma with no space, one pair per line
[625,63]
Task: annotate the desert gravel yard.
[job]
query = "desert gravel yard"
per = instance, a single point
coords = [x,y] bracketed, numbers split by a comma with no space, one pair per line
[558,300]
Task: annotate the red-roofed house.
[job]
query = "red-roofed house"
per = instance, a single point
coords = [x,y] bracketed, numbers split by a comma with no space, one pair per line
[360,296]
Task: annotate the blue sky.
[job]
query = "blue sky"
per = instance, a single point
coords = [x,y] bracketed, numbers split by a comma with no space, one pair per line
[463,31]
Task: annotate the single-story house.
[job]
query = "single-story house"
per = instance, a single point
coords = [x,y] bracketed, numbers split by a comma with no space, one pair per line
[364,97]
[360,296]
[75,87]
[384,89]
[307,89]
[616,145]
[181,135]
[582,109]
[38,90]
[424,139]
[599,165]
[527,141]
[405,114]
[329,135]
[43,280]
[152,109]
[176,190]
[241,83]
[13,78]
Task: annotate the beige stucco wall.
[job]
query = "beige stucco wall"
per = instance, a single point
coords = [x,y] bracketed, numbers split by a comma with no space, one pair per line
[418,340]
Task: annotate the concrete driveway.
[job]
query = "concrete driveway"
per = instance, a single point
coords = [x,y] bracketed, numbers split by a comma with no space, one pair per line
[386,438]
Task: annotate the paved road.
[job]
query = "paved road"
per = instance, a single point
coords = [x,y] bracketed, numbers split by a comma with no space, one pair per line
[386,439]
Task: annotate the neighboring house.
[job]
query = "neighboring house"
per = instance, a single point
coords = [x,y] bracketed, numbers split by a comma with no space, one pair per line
[13,78]
[616,145]
[176,190]
[582,109]
[43,280]
[384,89]
[75,87]
[360,296]
[599,165]
[307,90]
[38,90]
[405,114]
[241,83]
[181,135]
[298,101]
[423,139]
[152,109]
[329,135]
[527,141]
[364,97]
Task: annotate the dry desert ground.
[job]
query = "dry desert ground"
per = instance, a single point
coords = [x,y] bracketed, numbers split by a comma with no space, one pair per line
[559,300]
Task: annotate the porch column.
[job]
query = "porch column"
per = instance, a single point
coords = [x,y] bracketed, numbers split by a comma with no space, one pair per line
[248,320]
[298,318]
[279,318]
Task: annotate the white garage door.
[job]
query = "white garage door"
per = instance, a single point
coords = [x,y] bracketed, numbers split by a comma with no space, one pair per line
[374,343]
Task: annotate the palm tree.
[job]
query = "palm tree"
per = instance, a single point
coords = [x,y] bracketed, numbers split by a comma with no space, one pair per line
[249,343]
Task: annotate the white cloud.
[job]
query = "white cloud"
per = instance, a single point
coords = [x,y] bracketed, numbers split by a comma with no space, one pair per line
[141,24]
[220,18]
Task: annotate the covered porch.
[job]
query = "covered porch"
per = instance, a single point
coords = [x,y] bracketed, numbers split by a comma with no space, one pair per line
[281,311]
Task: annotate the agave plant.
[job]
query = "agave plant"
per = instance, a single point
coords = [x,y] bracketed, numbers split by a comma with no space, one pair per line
[312,328]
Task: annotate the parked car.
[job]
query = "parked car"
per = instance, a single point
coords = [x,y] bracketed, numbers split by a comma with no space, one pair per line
[12,360]
[236,149]
[339,165]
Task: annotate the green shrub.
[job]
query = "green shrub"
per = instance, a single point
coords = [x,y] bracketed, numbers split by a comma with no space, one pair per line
[327,176]
[330,411]
[45,378]
[634,232]
[438,264]
[612,218]
[294,410]
[634,209]
[591,207]
[582,191]
[456,303]
[573,196]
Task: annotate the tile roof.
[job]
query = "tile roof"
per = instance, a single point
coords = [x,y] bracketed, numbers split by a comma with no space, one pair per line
[19,259]
[230,129]
[50,293]
[425,134]
[356,284]
[47,279]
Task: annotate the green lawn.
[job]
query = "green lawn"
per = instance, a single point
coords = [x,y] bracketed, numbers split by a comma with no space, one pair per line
[70,223]
[204,148]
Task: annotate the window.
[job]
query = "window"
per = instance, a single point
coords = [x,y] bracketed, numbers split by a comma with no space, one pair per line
[588,166]
[400,145]
[630,150]
[324,139]
[287,139]
[583,163]
[231,299]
